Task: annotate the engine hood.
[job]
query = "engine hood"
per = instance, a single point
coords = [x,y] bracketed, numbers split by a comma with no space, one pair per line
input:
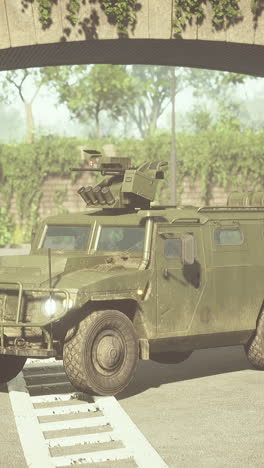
[29,269]
[67,272]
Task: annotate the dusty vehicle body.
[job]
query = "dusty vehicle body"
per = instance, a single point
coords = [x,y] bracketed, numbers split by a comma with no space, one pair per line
[127,280]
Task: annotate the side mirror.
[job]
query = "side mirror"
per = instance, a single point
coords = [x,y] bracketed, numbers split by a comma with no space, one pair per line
[188,249]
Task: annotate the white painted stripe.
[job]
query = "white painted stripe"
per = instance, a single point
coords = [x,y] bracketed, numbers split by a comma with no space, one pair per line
[74,423]
[84,408]
[33,443]
[43,376]
[101,437]
[104,455]
[41,362]
[48,384]
[144,454]
[53,398]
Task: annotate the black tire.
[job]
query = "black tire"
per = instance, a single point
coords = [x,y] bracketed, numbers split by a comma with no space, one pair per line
[255,347]
[101,355]
[170,357]
[10,366]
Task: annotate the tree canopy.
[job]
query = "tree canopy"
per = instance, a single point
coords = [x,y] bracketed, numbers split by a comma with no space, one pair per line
[87,91]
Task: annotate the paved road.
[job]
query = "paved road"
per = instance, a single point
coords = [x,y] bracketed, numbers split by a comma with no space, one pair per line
[205,412]
[11,454]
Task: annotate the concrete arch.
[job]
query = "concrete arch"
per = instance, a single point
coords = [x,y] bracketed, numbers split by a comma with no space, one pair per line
[24,42]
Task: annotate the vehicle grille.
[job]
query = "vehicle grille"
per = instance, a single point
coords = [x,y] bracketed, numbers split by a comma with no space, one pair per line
[8,307]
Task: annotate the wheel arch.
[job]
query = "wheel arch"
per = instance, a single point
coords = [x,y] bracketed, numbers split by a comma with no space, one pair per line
[128,307]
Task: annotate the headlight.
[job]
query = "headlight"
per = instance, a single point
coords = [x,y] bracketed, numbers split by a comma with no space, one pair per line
[70,303]
[50,307]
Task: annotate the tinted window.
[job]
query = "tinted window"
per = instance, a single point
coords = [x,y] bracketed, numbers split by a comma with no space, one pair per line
[66,237]
[173,248]
[228,236]
[121,239]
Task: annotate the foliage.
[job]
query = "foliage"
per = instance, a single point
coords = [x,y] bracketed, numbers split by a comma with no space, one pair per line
[185,12]
[73,7]
[13,85]
[6,226]
[257,7]
[44,9]
[224,13]
[215,84]
[48,155]
[121,13]
[153,94]
[87,91]
[200,118]
[217,88]
[221,154]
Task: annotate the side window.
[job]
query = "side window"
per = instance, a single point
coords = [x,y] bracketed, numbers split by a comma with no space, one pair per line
[232,236]
[173,248]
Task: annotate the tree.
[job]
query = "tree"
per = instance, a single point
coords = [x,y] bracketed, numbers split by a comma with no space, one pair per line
[214,84]
[173,139]
[11,123]
[89,90]
[12,84]
[154,92]
[217,86]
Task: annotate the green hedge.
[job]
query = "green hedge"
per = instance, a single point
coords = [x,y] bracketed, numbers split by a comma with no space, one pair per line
[215,156]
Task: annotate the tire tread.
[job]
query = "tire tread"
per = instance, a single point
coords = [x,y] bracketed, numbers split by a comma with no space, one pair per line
[74,348]
[255,348]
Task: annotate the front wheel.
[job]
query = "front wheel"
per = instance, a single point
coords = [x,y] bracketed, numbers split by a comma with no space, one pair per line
[101,355]
[10,366]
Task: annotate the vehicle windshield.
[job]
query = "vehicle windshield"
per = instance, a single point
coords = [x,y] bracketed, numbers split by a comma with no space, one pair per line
[66,238]
[121,238]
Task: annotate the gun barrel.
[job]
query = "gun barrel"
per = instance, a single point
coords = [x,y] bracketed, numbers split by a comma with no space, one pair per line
[106,171]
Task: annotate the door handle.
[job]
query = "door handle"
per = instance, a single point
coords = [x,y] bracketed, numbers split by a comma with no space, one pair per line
[165,272]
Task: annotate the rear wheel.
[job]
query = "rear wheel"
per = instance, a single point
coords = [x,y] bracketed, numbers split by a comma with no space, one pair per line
[101,355]
[170,357]
[255,347]
[10,366]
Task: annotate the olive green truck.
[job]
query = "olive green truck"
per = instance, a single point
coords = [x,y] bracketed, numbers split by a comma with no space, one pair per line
[125,280]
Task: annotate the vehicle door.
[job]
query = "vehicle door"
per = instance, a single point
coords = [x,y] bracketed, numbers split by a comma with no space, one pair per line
[236,291]
[179,285]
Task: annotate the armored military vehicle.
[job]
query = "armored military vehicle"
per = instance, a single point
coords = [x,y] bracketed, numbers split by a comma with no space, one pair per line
[125,280]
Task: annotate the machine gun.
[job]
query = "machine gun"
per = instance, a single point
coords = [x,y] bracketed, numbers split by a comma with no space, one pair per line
[123,186]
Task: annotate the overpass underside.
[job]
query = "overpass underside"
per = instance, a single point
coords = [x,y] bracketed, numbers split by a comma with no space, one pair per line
[235,57]
[24,42]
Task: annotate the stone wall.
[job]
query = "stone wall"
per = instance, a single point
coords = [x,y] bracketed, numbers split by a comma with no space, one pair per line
[192,194]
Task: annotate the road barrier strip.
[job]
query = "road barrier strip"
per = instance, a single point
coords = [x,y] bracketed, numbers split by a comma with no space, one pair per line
[62,429]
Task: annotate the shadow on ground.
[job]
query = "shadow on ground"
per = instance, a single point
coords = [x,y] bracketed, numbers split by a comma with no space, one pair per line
[149,374]
[202,363]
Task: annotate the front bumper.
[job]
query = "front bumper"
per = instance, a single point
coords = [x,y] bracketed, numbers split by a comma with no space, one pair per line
[46,348]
